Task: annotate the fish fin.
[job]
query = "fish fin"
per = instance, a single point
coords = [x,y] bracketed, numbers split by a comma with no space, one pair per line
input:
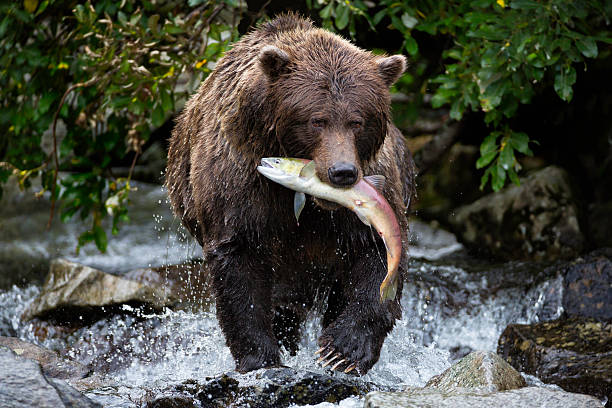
[362,217]
[298,205]
[308,170]
[386,246]
[377,181]
[388,290]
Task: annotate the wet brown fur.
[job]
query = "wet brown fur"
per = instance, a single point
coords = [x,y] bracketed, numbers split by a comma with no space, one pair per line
[290,89]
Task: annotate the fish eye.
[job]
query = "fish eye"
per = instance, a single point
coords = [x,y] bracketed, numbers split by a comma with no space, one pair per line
[277,161]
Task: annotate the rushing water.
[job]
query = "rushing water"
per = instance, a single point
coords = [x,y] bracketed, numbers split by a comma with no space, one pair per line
[452,304]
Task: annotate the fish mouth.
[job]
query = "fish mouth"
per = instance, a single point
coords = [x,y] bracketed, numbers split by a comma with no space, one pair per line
[267,162]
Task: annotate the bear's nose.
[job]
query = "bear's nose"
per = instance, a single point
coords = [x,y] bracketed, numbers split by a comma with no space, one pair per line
[342,174]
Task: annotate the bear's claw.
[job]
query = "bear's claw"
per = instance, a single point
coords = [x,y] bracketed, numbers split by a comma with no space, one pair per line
[325,356]
[327,351]
[351,368]
[319,351]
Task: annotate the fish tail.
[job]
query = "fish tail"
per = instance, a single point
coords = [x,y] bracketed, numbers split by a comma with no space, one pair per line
[388,290]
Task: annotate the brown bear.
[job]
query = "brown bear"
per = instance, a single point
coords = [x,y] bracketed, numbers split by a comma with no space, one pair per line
[293,90]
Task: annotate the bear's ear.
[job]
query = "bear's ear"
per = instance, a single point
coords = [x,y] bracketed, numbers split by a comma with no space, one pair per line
[391,68]
[273,61]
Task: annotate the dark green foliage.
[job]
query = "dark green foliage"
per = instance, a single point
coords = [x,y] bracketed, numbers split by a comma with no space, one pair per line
[110,72]
[498,54]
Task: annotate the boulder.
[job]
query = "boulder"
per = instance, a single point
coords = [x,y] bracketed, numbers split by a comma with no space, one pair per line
[479,369]
[52,365]
[75,293]
[25,385]
[587,286]
[574,353]
[528,397]
[537,220]
[282,387]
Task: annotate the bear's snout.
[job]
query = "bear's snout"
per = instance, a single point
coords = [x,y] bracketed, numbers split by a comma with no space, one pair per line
[343,174]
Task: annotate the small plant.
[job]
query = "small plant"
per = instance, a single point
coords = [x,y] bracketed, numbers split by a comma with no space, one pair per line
[110,72]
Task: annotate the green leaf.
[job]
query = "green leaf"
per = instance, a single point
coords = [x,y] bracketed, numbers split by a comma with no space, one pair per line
[485,177]
[409,21]
[513,176]
[45,102]
[158,117]
[379,16]
[342,16]
[326,11]
[506,156]
[564,80]
[587,46]
[100,238]
[438,99]
[485,159]
[167,104]
[84,238]
[520,142]
[457,108]
[489,144]
[411,46]
[152,23]
[499,177]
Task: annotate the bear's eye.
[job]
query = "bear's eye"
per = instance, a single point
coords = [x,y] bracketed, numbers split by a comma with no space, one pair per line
[356,125]
[317,123]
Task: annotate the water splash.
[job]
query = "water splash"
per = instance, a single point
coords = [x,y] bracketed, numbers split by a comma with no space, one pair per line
[451,304]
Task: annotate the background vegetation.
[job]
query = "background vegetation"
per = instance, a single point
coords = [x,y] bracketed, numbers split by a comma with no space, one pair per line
[84,85]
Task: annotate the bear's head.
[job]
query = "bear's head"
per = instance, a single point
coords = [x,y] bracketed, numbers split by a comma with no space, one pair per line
[331,102]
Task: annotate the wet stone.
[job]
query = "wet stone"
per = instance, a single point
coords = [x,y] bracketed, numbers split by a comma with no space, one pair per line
[23,384]
[479,369]
[275,387]
[574,353]
[77,294]
[528,397]
[52,365]
[587,286]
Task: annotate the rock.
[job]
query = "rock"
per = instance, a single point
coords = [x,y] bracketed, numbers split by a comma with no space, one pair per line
[282,387]
[479,369]
[25,385]
[587,286]
[574,353]
[469,398]
[52,365]
[74,293]
[187,282]
[534,221]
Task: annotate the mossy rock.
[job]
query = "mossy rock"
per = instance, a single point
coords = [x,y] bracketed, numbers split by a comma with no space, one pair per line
[574,353]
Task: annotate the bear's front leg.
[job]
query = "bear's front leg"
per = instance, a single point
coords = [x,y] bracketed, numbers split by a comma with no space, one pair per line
[244,310]
[352,341]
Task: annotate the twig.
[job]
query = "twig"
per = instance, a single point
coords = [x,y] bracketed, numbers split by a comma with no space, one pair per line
[209,20]
[54,153]
[129,176]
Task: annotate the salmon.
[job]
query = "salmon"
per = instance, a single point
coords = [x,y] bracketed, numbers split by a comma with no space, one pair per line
[364,198]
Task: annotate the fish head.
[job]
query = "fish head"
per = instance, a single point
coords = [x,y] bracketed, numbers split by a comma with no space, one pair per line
[283,170]
[283,165]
